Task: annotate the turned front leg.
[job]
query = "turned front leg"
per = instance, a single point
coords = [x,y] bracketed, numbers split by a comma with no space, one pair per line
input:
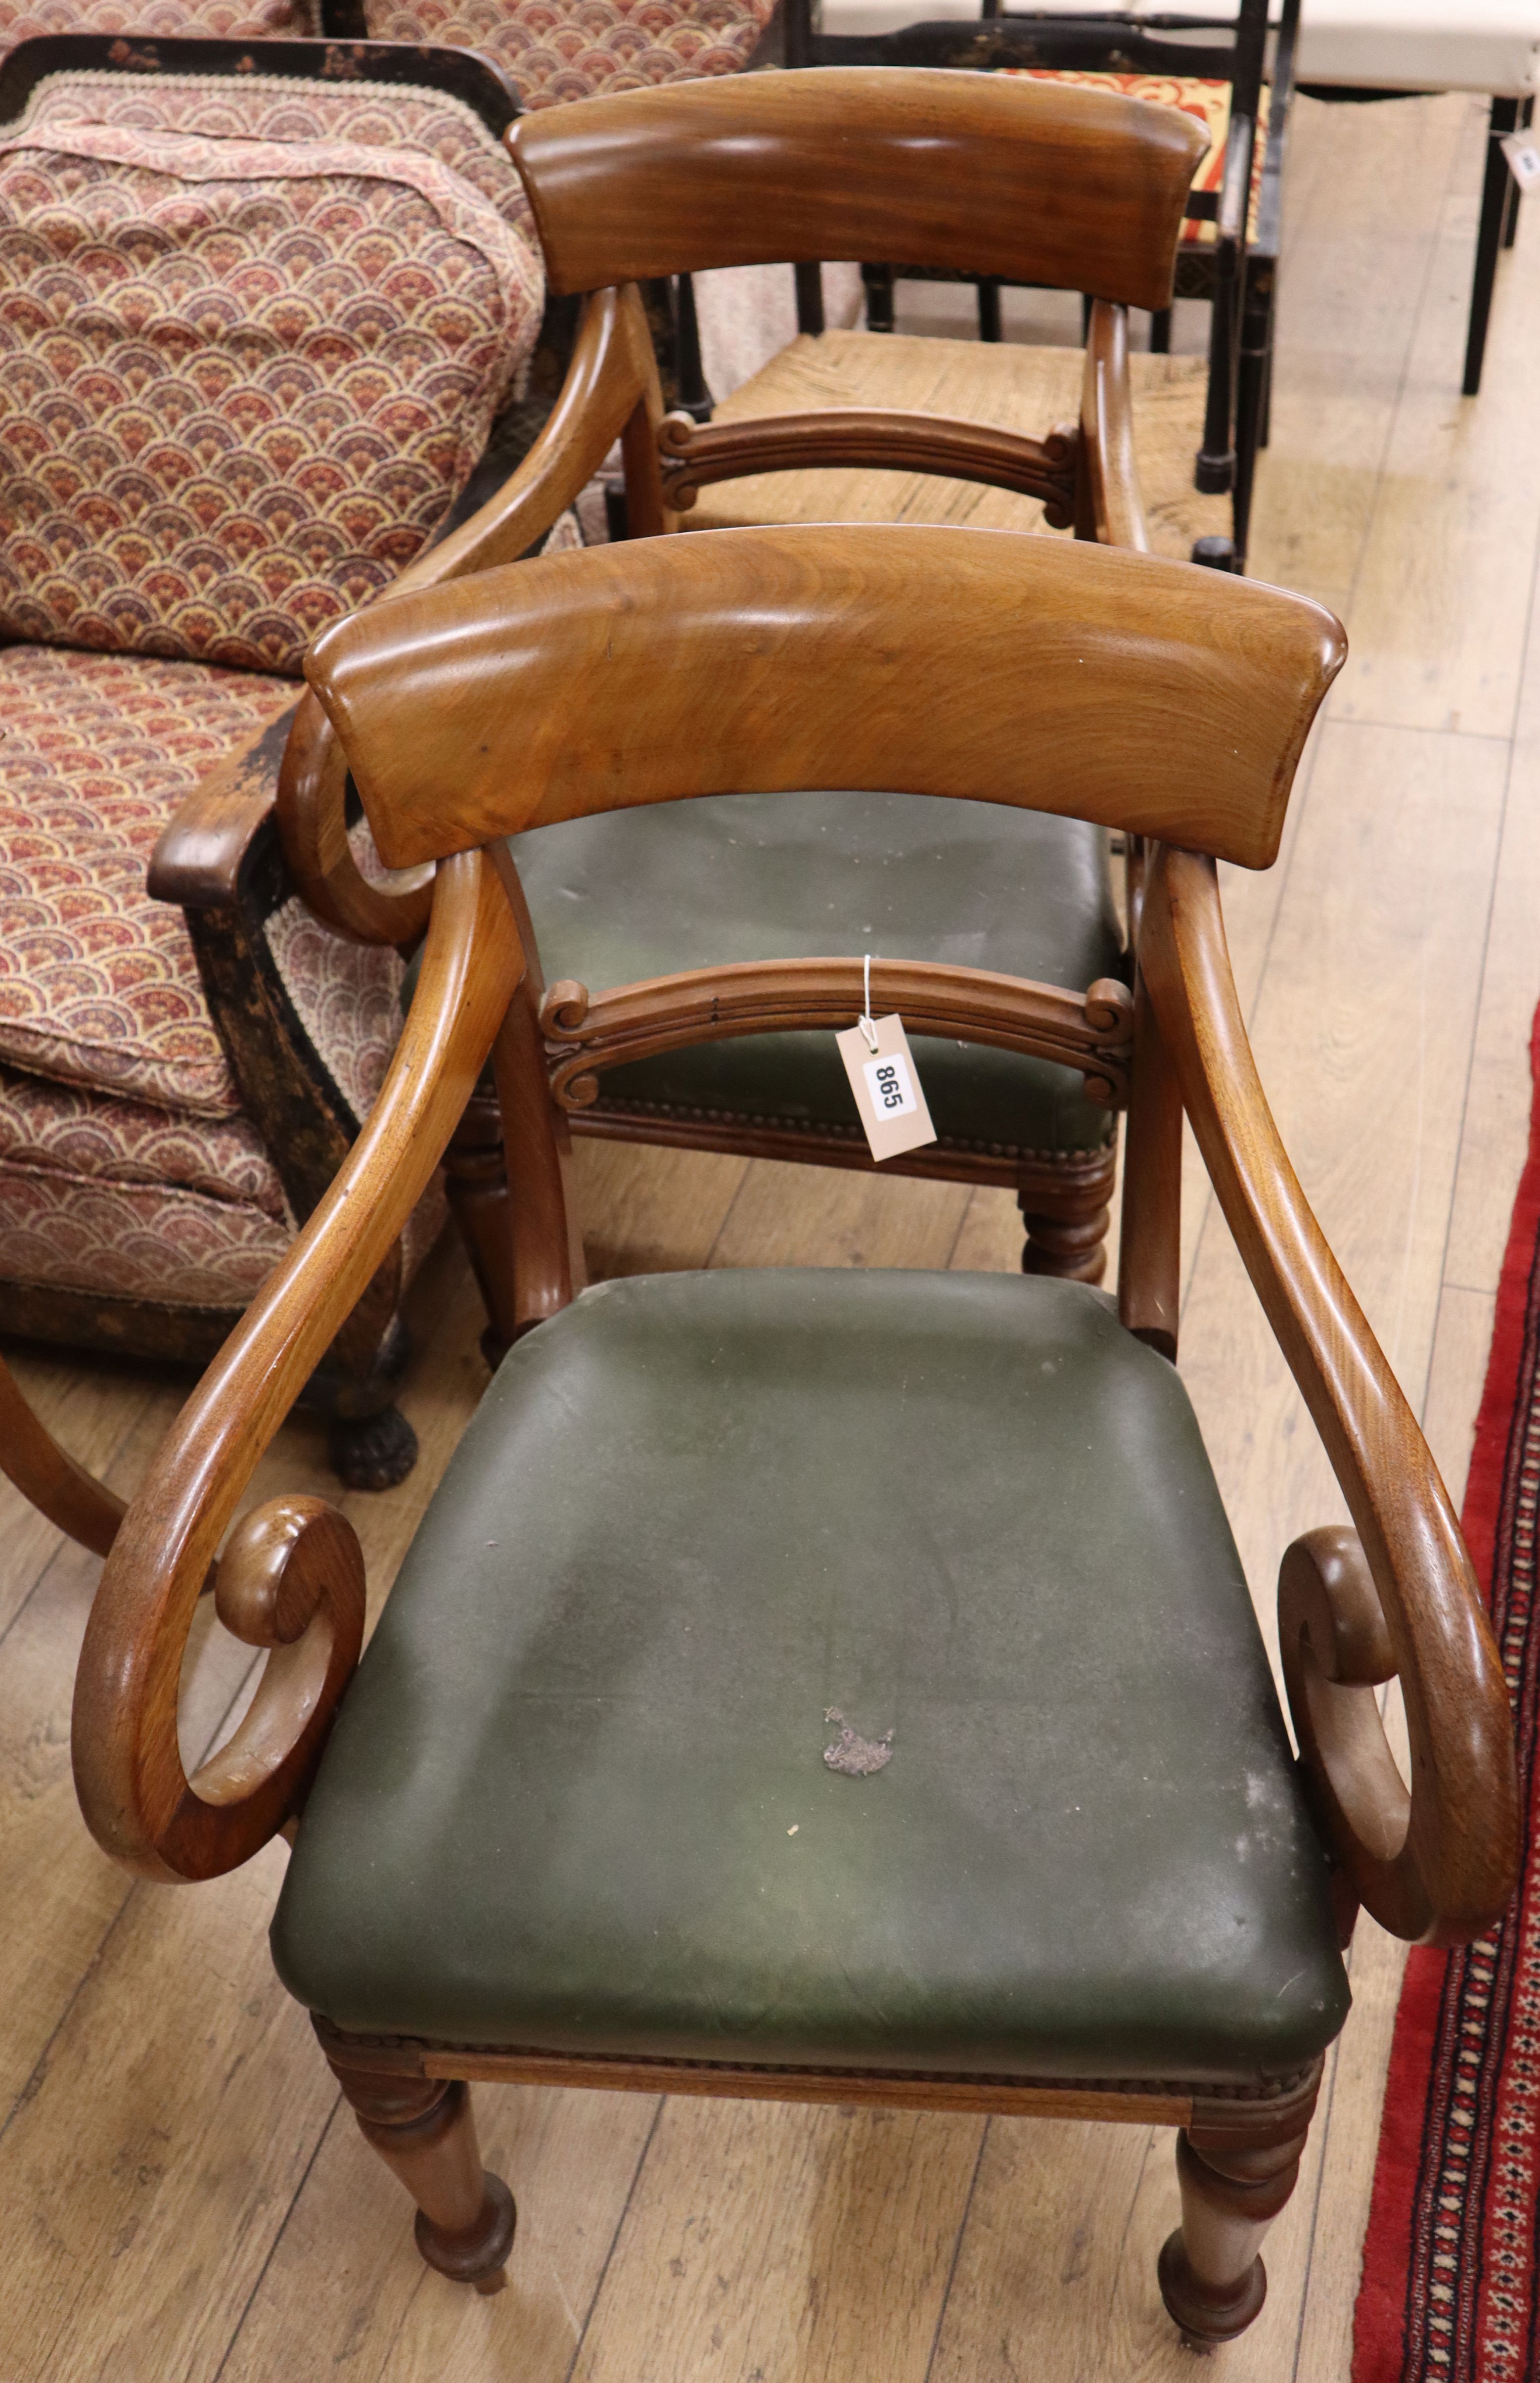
[425,2131]
[1211,2278]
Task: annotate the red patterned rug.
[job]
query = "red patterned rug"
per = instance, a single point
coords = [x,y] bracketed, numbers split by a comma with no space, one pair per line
[1450,2291]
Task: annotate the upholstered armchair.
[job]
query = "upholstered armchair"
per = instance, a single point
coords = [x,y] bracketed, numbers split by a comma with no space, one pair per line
[257,333]
[825,1685]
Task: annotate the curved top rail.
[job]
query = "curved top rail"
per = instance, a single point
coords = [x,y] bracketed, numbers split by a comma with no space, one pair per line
[1080,189]
[1142,693]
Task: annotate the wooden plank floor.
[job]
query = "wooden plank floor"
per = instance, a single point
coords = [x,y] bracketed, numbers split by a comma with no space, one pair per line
[180,2199]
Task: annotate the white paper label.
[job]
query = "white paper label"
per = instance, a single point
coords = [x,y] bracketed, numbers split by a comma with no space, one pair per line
[888,1098]
[1524,158]
[889,1088]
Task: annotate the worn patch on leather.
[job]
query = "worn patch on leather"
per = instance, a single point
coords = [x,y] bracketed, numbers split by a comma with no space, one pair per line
[858,1756]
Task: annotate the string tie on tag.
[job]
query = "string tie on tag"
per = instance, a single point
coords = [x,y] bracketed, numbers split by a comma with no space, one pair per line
[864,1021]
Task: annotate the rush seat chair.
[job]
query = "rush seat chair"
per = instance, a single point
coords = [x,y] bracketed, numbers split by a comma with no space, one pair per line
[824,1686]
[1217,63]
[258,330]
[1081,189]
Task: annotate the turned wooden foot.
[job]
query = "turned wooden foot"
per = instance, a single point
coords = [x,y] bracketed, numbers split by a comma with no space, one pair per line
[1074,1247]
[1210,2279]
[425,2131]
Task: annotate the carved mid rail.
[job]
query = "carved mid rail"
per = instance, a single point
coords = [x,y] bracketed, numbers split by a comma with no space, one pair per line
[863,439]
[586,1034]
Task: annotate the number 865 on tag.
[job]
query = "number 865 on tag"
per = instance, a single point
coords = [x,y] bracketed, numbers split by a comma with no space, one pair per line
[893,1094]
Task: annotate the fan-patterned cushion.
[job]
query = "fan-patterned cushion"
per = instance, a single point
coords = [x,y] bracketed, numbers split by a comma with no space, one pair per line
[120,1198]
[241,382]
[284,108]
[98,984]
[236,21]
[557,50]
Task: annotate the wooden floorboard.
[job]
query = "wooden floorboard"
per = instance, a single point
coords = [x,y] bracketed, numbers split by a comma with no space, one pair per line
[180,2196]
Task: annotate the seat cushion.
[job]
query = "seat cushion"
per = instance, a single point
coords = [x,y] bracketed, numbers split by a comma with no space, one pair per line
[750,877]
[241,382]
[559,50]
[701,1527]
[123,1199]
[98,984]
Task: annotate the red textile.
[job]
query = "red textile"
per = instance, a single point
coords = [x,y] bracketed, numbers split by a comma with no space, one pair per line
[1450,2266]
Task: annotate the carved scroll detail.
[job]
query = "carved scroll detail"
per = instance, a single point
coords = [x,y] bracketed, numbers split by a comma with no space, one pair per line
[860,437]
[291,1579]
[587,1034]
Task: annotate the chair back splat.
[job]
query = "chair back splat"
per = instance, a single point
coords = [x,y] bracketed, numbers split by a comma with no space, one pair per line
[1149,697]
[776,170]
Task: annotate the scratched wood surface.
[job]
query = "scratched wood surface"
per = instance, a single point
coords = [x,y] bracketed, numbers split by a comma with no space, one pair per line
[179,2195]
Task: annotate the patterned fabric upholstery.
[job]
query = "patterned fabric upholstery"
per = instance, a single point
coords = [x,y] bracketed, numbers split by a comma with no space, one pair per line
[241,382]
[98,984]
[347,996]
[236,21]
[282,107]
[66,1131]
[1208,102]
[117,1197]
[167,1193]
[557,50]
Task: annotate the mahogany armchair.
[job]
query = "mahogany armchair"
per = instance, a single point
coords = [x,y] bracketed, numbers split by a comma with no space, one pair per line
[854,1673]
[1074,188]
[313,291]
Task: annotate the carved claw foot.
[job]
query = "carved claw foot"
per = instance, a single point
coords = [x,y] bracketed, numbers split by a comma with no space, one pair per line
[372,1451]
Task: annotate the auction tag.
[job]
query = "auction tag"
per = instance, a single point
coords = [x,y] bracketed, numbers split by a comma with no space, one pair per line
[1524,158]
[886,1084]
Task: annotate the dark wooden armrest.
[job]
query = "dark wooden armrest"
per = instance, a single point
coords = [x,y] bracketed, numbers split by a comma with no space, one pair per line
[1395,1595]
[613,372]
[868,437]
[1114,508]
[292,1576]
[198,859]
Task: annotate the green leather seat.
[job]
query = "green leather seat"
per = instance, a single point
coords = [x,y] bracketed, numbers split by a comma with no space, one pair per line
[576,1797]
[752,877]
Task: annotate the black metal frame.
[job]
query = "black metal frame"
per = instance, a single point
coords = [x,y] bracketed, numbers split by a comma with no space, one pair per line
[1237,274]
